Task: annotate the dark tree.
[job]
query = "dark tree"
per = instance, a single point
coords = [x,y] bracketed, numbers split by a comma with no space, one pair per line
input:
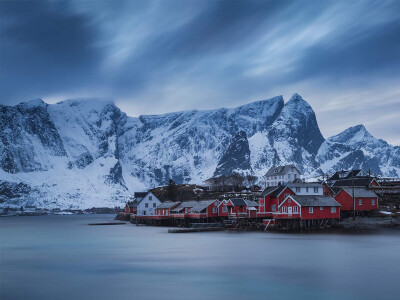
[171,190]
[251,180]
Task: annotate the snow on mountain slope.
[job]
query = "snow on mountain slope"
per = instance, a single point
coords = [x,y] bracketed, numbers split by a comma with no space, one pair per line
[29,140]
[236,158]
[355,147]
[294,137]
[187,146]
[84,153]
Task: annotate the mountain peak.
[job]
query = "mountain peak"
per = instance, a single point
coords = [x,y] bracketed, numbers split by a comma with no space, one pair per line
[296,97]
[33,102]
[352,135]
[359,127]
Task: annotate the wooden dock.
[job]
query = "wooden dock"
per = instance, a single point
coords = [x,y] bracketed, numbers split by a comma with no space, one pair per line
[109,223]
[199,229]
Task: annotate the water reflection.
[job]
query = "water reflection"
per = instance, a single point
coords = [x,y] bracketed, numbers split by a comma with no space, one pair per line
[63,257]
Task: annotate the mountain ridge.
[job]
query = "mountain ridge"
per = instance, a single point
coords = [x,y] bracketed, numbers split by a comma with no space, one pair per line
[82,152]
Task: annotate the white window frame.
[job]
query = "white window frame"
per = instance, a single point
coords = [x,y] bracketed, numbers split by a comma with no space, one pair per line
[360,202]
[372,201]
[273,207]
[321,208]
[333,209]
[215,210]
[316,190]
[295,209]
[284,209]
[311,210]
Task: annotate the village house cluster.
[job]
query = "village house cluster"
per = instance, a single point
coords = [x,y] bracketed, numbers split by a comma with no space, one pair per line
[286,200]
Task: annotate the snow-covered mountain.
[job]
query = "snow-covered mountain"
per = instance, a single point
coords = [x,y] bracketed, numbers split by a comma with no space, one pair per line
[86,152]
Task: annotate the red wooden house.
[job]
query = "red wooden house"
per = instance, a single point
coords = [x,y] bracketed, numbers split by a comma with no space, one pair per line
[204,209]
[237,207]
[272,197]
[182,210]
[130,207]
[252,208]
[164,209]
[365,200]
[241,208]
[223,208]
[308,208]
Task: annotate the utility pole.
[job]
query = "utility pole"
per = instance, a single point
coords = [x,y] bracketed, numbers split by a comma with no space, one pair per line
[354,199]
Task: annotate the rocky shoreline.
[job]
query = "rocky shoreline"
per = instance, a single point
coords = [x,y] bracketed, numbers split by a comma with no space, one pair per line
[369,222]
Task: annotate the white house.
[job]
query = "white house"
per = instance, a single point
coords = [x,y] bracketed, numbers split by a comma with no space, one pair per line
[281,175]
[146,206]
[306,188]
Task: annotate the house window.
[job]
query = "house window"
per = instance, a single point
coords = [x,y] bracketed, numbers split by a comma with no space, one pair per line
[295,176]
[150,198]
[167,212]
[215,210]
[288,176]
[295,209]
[297,189]
[306,189]
[316,190]
[321,208]
[289,200]
[273,207]
[154,205]
[275,177]
[146,205]
[284,209]
[333,209]
[373,201]
[224,209]
[144,213]
[359,201]
[311,209]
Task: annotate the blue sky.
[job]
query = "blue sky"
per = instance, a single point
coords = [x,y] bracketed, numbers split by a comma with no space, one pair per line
[162,56]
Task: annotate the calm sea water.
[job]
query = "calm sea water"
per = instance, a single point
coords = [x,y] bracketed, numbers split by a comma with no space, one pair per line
[61,257]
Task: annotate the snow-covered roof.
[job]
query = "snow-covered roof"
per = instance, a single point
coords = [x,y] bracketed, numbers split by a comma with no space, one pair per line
[314,200]
[303,184]
[360,192]
[347,174]
[280,170]
[251,203]
[201,205]
[183,205]
[168,204]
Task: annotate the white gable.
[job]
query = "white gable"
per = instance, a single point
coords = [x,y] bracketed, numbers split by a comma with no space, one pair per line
[147,206]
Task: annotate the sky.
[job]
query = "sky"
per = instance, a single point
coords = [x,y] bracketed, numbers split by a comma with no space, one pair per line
[154,57]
